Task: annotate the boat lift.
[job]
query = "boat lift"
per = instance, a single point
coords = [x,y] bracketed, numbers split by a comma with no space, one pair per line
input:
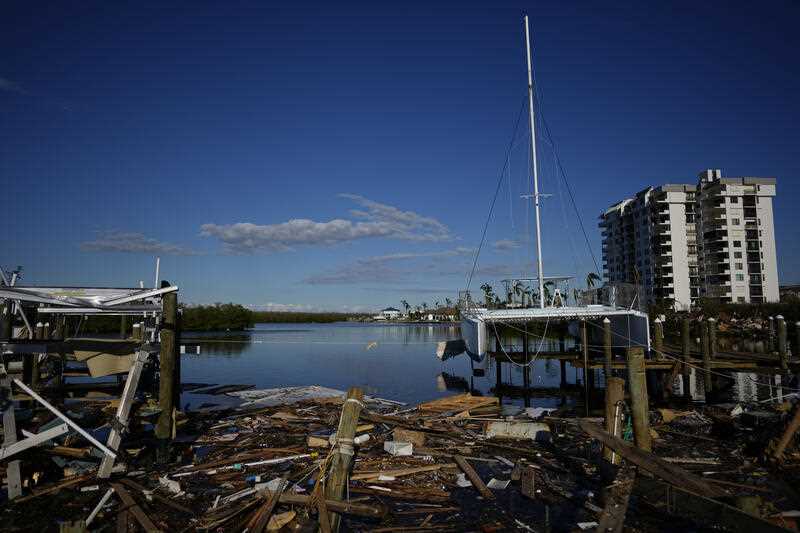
[61,302]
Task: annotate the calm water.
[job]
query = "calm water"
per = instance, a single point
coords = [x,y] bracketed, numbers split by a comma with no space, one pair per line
[388,360]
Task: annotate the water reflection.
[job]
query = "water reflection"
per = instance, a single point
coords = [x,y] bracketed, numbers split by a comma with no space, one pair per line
[391,360]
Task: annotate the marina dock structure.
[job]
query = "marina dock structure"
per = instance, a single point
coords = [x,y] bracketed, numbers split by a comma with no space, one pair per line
[41,344]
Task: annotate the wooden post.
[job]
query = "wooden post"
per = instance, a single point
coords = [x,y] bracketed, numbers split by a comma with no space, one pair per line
[342,460]
[797,339]
[123,327]
[499,367]
[166,392]
[562,348]
[526,370]
[706,357]
[7,320]
[782,352]
[615,393]
[658,338]
[35,370]
[136,332]
[786,438]
[687,347]
[712,338]
[771,335]
[640,409]
[585,348]
[607,347]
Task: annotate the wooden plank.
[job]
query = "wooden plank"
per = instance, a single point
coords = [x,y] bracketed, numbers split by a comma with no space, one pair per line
[460,402]
[670,473]
[263,514]
[477,482]
[613,517]
[134,508]
[400,471]
[713,514]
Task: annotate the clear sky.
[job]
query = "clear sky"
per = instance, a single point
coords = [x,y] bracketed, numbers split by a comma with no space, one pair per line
[343,156]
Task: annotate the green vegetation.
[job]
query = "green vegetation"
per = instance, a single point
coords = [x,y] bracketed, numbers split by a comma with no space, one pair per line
[233,317]
[297,317]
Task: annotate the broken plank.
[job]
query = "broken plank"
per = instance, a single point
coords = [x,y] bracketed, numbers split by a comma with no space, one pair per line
[400,472]
[473,476]
[613,517]
[712,513]
[647,461]
[133,508]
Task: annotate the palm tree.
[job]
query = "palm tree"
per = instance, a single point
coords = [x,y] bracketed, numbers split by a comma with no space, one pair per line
[591,278]
[519,290]
[488,294]
[405,305]
[436,305]
[448,302]
[548,286]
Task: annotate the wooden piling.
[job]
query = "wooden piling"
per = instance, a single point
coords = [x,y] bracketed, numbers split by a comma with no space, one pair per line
[712,338]
[782,352]
[562,348]
[123,327]
[342,459]
[39,334]
[658,338]
[136,332]
[640,408]
[607,347]
[615,393]
[687,347]
[166,393]
[7,321]
[526,370]
[797,339]
[771,334]
[706,357]
[585,349]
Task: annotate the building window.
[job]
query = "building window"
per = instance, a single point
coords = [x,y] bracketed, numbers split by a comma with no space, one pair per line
[734,199]
[736,221]
[740,299]
[737,244]
[737,255]
[739,277]
[739,266]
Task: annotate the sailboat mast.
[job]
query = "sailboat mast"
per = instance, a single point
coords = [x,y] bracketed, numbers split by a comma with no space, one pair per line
[535,167]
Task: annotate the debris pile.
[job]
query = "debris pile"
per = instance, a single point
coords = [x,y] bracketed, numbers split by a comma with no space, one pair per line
[308,459]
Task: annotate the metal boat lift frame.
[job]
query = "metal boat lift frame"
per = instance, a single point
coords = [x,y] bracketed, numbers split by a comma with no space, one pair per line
[82,301]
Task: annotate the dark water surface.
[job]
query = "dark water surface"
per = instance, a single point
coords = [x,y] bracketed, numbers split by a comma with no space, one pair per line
[395,361]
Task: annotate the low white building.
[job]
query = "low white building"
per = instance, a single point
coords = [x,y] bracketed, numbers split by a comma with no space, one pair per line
[390,313]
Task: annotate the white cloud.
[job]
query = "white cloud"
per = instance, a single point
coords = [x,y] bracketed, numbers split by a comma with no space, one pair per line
[374,220]
[385,268]
[131,242]
[505,244]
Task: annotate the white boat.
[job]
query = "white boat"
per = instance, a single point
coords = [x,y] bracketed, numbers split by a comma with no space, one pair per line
[619,304]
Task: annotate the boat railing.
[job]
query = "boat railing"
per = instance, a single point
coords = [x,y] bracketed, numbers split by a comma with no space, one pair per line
[617,295]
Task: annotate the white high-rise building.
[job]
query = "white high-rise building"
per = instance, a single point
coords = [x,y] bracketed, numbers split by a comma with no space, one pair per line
[673,240]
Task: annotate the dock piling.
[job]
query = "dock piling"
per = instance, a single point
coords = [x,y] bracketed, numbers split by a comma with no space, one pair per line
[640,409]
[782,352]
[706,356]
[585,350]
[166,394]
[615,393]
[658,338]
[342,460]
[607,347]
[687,347]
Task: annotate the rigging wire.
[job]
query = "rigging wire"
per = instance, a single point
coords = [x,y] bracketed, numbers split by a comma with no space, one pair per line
[496,191]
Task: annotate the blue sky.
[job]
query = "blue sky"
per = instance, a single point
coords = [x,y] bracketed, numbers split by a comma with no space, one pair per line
[330,156]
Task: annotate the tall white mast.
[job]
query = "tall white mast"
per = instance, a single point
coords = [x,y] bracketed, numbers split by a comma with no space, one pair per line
[535,167]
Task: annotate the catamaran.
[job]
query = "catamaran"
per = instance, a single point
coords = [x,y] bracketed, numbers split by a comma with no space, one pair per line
[482,323]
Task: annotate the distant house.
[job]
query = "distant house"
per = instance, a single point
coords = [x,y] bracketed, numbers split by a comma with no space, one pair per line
[390,313]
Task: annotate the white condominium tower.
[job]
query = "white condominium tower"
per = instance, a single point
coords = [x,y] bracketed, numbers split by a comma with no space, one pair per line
[683,242]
